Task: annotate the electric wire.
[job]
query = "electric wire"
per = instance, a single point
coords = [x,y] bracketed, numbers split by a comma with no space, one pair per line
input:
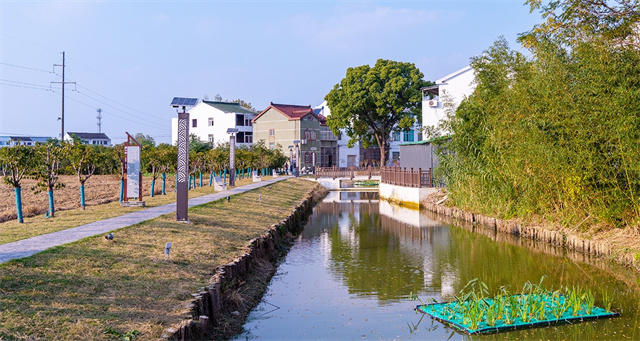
[26,67]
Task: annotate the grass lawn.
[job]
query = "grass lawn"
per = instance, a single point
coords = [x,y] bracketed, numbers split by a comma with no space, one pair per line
[95,289]
[11,231]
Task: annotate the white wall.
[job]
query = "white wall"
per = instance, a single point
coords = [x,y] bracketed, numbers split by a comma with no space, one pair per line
[343,151]
[221,122]
[453,88]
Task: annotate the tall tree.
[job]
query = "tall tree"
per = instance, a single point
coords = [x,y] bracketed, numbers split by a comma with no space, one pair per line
[571,22]
[371,102]
[46,171]
[16,162]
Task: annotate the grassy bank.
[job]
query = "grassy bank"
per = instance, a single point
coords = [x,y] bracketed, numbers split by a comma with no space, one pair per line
[100,290]
[11,231]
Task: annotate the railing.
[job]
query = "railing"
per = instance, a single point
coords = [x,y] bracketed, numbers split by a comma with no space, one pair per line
[406,177]
[348,172]
[327,136]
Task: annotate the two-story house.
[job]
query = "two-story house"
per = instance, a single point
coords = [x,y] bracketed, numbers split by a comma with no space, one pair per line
[10,141]
[209,121]
[281,125]
[99,139]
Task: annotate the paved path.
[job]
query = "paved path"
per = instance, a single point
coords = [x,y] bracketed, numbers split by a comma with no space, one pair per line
[27,247]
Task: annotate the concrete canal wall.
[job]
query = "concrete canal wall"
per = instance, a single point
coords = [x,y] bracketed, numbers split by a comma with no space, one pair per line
[405,196]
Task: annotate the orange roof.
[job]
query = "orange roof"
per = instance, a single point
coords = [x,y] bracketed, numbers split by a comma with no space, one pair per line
[292,111]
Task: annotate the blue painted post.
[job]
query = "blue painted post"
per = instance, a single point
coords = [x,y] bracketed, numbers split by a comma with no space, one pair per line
[225,176]
[82,196]
[121,190]
[164,183]
[17,191]
[51,207]
[210,179]
[153,187]
[175,188]
[200,179]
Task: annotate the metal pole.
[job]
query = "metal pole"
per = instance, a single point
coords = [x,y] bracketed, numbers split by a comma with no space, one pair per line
[62,116]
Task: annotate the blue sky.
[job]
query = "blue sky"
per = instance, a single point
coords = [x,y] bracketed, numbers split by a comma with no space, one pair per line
[130,58]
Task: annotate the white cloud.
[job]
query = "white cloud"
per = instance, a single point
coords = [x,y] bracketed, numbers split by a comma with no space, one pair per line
[355,30]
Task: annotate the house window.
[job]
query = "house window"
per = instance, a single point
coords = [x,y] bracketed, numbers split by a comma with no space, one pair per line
[310,135]
[408,135]
[210,138]
[272,132]
[272,145]
[395,136]
[309,118]
[395,156]
[247,121]
[194,123]
[248,138]
[210,121]
[307,157]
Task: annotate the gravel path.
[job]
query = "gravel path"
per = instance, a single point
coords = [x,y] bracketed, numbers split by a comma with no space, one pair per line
[27,247]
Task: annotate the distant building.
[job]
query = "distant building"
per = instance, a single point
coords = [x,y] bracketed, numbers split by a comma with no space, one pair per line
[97,139]
[449,90]
[209,120]
[10,141]
[279,125]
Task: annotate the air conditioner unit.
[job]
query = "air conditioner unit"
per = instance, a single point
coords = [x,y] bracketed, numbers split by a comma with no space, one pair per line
[433,103]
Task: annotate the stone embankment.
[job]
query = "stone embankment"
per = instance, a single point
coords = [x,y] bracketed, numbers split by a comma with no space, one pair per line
[204,313]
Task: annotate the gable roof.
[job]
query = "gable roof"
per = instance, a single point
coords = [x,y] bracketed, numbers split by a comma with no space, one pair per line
[90,136]
[454,74]
[229,107]
[291,111]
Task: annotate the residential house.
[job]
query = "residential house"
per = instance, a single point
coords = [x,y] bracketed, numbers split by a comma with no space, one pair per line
[279,125]
[209,121]
[99,139]
[447,94]
[9,141]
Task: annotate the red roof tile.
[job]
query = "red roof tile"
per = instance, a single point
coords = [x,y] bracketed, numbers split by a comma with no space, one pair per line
[293,112]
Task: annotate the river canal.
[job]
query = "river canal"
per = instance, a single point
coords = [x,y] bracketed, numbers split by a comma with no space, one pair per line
[352,270]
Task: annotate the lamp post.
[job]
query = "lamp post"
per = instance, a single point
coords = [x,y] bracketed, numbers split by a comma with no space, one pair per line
[297,144]
[182,191]
[232,155]
[290,170]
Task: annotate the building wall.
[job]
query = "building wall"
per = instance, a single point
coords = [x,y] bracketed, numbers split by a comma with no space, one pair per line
[285,131]
[417,156]
[453,89]
[221,122]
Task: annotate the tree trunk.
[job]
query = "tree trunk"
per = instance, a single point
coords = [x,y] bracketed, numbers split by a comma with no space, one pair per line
[82,195]
[153,186]
[52,210]
[18,193]
[164,183]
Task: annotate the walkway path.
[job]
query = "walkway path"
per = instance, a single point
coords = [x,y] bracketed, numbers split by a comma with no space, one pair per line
[27,247]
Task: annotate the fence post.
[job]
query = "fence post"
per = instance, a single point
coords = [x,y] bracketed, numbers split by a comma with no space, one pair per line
[420,177]
[430,178]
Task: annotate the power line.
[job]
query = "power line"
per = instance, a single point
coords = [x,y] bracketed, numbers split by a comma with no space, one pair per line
[26,67]
[114,101]
[24,84]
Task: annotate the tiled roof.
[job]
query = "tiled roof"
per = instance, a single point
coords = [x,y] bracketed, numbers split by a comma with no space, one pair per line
[229,107]
[90,136]
[293,112]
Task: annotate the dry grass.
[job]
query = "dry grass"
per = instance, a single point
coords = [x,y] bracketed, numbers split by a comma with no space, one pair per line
[11,231]
[84,289]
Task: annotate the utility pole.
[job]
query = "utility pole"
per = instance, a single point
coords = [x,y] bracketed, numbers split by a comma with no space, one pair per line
[62,83]
[99,120]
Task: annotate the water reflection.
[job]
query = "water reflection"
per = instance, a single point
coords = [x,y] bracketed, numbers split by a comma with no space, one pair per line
[350,274]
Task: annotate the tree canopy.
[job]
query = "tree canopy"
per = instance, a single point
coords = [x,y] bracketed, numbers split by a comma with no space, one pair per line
[371,102]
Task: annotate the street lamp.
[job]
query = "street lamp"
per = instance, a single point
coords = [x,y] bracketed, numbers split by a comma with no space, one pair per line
[297,144]
[182,171]
[290,160]
[232,155]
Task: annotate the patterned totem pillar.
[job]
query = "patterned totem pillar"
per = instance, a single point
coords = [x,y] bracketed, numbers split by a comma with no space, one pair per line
[182,200]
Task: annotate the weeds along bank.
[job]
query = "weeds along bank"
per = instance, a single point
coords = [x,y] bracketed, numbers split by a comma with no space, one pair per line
[96,288]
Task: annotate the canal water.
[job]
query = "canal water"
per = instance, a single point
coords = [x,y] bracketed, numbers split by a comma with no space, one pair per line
[351,273]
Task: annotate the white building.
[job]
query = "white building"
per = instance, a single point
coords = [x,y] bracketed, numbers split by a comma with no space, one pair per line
[10,141]
[99,139]
[447,94]
[209,120]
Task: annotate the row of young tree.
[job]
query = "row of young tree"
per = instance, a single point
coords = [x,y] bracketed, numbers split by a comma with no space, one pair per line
[556,133]
[46,162]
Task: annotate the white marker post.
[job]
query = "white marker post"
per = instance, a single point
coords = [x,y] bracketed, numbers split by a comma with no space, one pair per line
[167,249]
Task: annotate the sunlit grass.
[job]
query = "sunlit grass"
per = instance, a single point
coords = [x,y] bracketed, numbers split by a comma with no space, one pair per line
[12,231]
[88,288]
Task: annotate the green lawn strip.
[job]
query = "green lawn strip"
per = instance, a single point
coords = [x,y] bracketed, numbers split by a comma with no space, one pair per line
[12,231]
[94,289]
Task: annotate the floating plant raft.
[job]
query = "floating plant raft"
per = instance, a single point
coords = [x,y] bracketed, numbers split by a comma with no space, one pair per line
[504,313]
